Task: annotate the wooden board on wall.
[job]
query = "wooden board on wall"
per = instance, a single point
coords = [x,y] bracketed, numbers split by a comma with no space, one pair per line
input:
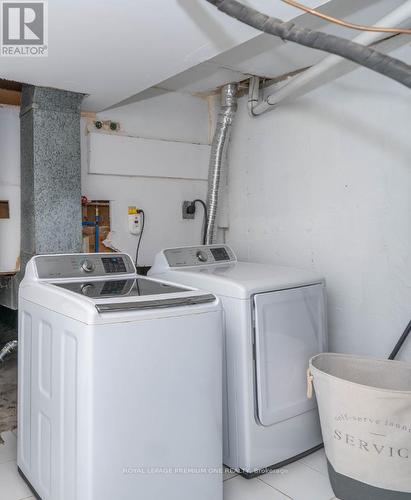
[90,210]
[10,97]
[133,156]
[4,210]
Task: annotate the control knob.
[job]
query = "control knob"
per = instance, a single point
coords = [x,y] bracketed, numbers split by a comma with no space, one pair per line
[88,266]
[88,290]
[201,256]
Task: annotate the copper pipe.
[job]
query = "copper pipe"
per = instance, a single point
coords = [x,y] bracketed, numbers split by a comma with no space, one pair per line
[346,24]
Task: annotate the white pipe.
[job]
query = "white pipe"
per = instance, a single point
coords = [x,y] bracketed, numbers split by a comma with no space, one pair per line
[328,69]
[253,94]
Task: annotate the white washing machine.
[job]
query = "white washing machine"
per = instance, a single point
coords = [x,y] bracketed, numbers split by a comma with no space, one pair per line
[275,320]
[119,383]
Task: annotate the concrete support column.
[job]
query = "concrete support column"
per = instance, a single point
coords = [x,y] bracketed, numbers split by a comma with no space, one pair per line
[50,172]
[50,178]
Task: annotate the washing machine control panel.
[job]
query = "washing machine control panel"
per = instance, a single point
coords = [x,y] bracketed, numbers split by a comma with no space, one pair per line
[205,255]
[80,265]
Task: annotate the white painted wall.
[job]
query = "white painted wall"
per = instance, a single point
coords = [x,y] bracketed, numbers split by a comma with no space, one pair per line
[10,187]
[325,183]
[166,116]
[119,154]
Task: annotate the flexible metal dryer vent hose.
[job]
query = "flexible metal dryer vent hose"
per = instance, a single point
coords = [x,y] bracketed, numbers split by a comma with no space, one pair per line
[219,154]
[8,349]
[364,56]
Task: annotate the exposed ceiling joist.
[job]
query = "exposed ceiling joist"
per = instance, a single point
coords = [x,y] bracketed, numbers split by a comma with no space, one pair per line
[10,97]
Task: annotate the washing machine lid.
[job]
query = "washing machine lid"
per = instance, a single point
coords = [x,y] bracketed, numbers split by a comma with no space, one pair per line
[87,287]
[241,279]
[113,288]
[141,293]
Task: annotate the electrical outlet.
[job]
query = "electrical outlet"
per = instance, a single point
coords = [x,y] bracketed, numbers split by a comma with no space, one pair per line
[186,214]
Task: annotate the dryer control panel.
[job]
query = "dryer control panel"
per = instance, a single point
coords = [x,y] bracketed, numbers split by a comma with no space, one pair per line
[83,264]
[204,255]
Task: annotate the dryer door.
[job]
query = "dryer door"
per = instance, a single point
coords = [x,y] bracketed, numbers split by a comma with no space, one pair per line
[290,328]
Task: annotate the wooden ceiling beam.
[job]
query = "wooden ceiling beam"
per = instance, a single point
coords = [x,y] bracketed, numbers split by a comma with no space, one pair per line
[10,97]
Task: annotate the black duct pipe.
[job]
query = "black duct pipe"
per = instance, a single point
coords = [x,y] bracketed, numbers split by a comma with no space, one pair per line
[364,56]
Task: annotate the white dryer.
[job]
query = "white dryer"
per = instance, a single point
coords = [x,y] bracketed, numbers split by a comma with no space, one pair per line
[275,320]
[119,383]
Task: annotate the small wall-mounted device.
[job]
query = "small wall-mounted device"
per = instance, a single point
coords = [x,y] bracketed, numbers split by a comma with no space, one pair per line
[107,125]
[135,220]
